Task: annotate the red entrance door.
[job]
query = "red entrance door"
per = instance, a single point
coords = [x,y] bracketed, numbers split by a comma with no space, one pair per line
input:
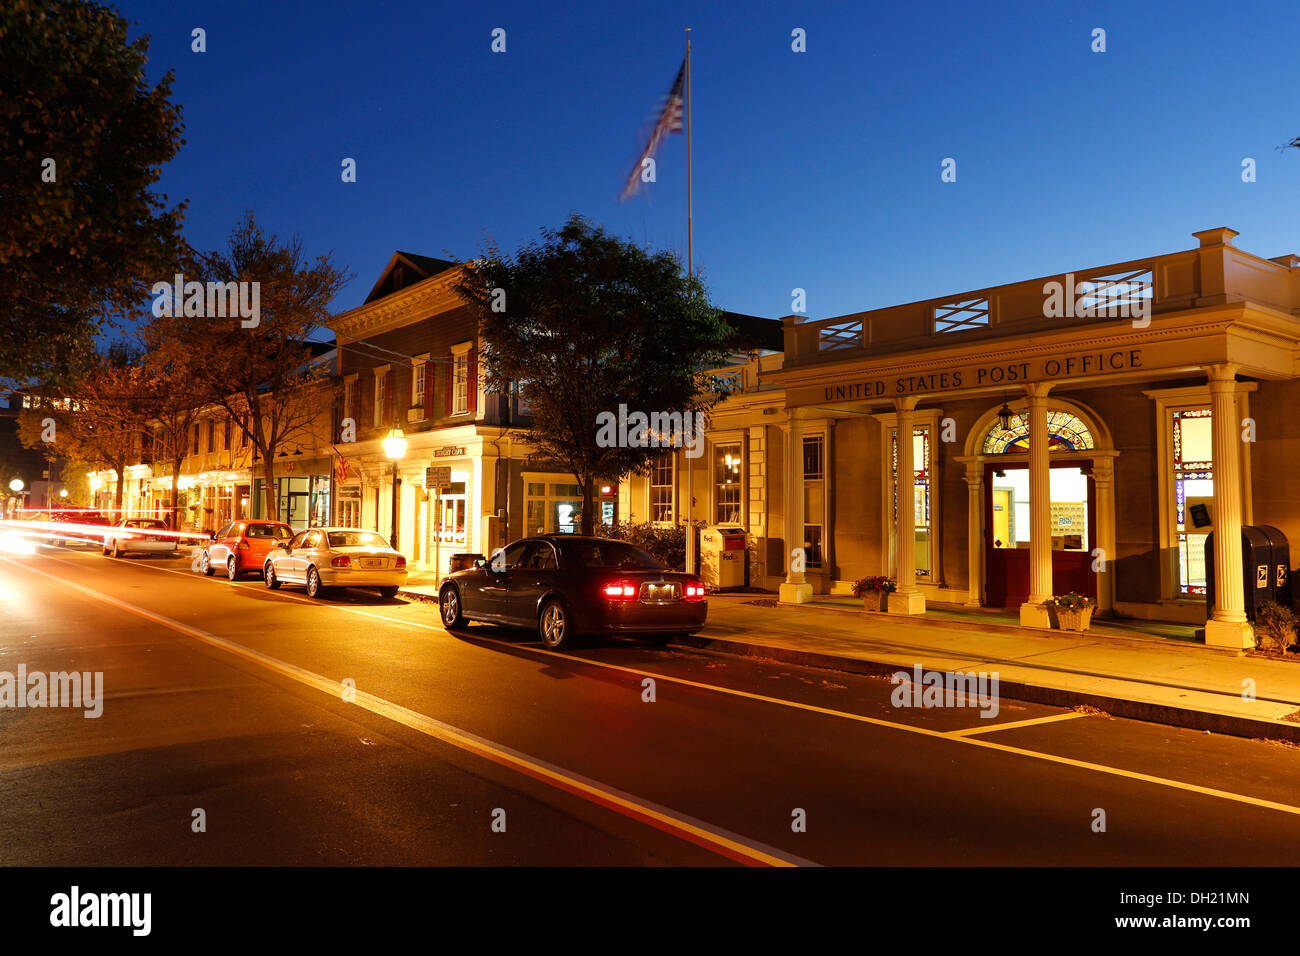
[1006,532]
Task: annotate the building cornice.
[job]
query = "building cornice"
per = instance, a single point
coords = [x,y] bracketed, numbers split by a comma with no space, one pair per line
[430,296]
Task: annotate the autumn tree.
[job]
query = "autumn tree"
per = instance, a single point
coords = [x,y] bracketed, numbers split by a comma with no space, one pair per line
[83,233]
[585,322]
[262,372]
[101,422]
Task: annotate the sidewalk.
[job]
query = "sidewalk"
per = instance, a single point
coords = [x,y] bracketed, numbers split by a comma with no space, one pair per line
[1127,669]
[1127,674]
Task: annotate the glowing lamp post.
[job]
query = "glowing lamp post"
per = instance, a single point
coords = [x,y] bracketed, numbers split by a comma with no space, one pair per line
[395,451]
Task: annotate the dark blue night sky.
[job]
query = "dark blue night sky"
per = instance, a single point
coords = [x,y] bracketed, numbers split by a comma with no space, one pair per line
[818,170]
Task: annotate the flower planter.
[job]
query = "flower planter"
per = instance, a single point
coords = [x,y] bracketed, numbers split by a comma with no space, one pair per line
[873,601]
[1074,619]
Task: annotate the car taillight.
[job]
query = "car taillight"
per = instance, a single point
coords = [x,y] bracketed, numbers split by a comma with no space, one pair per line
[243,544]
[619,591]
[343,561]
[694,591]
[401,560]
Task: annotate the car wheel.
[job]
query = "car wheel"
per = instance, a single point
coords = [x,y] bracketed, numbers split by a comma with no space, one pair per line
[314,588]
[554,625]
[268,576]
[388,593]
[232,569]
[205,564]
[116,552]
[452,615]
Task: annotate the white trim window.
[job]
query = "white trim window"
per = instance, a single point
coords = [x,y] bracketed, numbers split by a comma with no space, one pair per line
[661,488]
[350,397]
[460,378]
[418,370]
[381,395]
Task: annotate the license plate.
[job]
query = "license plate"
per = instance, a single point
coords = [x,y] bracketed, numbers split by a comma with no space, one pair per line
[660,593]
[373,562]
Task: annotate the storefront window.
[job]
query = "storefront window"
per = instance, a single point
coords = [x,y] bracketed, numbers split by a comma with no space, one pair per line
[350,506]
[552,508]
[1193,497]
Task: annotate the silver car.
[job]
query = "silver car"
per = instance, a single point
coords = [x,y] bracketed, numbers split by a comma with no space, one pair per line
[133,535]
[324,558]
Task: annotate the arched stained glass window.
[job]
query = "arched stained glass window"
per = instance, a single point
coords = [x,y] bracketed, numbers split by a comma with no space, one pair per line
[1065,432]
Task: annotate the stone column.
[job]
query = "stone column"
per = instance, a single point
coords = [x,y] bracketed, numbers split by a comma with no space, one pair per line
[795,589]
[1103,479]
[1228,627]
[975,533]
[907,599]
[1032,612]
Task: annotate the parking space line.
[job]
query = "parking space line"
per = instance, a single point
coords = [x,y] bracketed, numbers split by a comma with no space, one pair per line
[723,842]
[954,737]
[1010,725]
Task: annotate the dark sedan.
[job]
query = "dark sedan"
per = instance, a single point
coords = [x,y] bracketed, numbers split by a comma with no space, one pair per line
[567,586]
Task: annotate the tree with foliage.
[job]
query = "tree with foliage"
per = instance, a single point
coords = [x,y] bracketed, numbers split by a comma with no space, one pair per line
[585,322]
[166,385]
[265,376]
[103,426]
[82,233]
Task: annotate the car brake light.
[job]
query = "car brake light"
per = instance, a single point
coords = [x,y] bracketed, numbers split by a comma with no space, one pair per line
[243,545]
[401,560]
[694,591]
[343,561]
[620,591]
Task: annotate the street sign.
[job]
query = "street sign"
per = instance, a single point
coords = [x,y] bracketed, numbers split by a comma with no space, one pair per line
[437,479]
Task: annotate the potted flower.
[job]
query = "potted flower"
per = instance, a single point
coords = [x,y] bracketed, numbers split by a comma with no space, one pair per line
[1277,623]
[872,590]
[1073,611]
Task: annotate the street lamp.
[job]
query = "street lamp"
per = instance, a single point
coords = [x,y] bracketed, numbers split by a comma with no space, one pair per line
[16,485]
[394,451]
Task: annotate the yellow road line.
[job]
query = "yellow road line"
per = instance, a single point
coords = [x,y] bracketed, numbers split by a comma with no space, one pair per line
[876,721]
[989,728]
[720,841]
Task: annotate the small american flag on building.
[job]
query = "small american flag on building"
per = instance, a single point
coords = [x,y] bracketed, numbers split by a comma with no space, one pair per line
[670,121]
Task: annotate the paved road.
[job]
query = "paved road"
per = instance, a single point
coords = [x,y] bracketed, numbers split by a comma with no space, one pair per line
[235,700]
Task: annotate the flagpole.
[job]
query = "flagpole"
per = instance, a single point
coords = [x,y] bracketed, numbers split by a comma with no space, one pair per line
[690,196]
[690,272]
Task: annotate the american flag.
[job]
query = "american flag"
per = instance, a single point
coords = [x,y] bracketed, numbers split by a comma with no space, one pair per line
[343,469]
[670,121]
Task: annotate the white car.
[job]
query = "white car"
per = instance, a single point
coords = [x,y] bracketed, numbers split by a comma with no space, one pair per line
[323,558]
[133,535]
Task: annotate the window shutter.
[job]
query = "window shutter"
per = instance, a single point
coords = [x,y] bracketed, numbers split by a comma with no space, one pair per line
[471,380]
[430,382]
[390,395]
[450,381]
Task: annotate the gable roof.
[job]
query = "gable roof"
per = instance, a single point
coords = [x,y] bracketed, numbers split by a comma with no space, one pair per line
[403,269]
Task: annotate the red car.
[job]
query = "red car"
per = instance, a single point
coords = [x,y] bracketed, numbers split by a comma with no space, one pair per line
[242,546]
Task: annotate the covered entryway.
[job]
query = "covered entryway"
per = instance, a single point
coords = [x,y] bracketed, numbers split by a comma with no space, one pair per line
[1007,530]
[1078,524]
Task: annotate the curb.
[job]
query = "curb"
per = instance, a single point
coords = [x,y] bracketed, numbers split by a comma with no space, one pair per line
[1229,724]
[1017,630]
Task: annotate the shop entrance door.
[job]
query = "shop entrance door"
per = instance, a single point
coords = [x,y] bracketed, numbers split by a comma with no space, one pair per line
[1006,531]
